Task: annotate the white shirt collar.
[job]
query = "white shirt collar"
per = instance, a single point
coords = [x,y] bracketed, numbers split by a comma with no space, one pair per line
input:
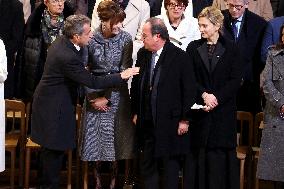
[77,47]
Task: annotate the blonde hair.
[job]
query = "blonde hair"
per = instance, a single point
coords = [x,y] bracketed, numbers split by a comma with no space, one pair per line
[214,15]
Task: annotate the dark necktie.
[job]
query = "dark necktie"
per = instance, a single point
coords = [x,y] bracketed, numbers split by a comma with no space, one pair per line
[154,54]
[235,28]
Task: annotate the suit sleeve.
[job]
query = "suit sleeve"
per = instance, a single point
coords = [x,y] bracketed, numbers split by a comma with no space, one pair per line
[189,86]
[134,90]
[266,42]
[17,29]
[74,70]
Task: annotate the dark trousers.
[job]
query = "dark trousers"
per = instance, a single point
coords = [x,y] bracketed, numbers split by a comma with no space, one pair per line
[248,97]
[50,167]
[216,168]
[148,162]
[172,167]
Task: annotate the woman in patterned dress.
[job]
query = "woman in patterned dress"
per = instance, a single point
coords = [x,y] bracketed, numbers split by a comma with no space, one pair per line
[107,132]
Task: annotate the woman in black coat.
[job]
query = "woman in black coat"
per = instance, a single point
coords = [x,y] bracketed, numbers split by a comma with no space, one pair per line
[43,26]
[213,132]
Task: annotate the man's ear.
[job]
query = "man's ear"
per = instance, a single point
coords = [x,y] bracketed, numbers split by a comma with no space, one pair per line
[45,1]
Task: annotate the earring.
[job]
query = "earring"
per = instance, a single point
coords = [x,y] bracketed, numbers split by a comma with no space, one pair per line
[103,27]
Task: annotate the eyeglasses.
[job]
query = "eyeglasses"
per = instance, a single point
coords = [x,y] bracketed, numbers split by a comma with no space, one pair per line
[237,7]
[56,1]
[175,5]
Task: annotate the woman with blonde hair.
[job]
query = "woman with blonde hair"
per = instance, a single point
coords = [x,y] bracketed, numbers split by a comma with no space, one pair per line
[213,131]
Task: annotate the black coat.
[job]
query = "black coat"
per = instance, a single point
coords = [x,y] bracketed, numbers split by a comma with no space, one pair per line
[12,26]
[11,32]
[218,127]
[249,42]
[34,52]
[53,109]
[172,96]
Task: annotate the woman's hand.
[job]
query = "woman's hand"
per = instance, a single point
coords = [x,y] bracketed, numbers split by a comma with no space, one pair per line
[100,104]
[134,119]
[210,100]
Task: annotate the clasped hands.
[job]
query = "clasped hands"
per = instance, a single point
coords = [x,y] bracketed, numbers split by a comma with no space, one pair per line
[210,101]
[100,104]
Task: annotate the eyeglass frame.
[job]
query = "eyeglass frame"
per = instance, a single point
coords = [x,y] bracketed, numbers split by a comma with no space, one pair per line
[180,6]
[237,7]
[56,2]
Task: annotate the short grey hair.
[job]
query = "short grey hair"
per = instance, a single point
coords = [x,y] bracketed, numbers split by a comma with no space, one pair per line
[74,25]
[158,27]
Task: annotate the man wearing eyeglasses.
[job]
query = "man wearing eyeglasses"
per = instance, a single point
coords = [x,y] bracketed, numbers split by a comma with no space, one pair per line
[246,29]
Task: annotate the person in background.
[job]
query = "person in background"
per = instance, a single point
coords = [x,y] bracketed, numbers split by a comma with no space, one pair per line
[107,133]
[44,25]
[246,29]
[271,35]
[11,32]
[271,147]
[55,98]
[213,132]
[161,97]
[277,7]
[3,77]
[182,28]
[260,7]
[193,8]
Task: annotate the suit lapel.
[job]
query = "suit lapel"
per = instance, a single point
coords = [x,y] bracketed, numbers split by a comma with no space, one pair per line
[219,51]
[165,59]
[203,52]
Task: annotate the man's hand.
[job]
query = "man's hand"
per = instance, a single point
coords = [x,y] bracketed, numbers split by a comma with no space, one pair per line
[134,119]
[100,104]
[210,100]
[126,74]
[183,127]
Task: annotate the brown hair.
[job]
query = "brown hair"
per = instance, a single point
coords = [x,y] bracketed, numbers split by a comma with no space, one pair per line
[280,44]
[167,2]
[109,10]
[214,15]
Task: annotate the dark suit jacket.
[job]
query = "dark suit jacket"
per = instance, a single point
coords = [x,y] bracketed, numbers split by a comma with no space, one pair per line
[171,98]
[249,42]
[216,128]
[53,109]
[12,26]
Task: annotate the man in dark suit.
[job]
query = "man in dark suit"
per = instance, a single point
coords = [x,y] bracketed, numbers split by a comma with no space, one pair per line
[161,97]
[11,31]
[246,29]
[53,108]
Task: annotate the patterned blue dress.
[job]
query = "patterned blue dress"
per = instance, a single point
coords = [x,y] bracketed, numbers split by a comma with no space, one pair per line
[108,136]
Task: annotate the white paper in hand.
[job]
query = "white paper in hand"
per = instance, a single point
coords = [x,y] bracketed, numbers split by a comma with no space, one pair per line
[197,106]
